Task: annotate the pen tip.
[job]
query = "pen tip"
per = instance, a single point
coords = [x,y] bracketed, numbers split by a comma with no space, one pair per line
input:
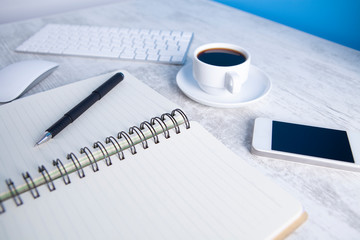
[46,137]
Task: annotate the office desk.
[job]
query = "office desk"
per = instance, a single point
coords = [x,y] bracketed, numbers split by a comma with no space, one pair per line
[314,81]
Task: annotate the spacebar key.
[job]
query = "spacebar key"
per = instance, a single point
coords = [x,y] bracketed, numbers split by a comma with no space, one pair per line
[90,53]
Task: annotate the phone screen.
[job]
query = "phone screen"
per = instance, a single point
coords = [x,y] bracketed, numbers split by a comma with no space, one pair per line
[311,141]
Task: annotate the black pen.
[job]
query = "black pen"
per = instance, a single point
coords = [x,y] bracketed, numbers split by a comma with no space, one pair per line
[79,109]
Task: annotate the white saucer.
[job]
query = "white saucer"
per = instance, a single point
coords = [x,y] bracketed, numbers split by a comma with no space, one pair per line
[255,88]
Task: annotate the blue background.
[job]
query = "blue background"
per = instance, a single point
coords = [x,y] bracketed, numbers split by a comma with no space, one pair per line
[334,20]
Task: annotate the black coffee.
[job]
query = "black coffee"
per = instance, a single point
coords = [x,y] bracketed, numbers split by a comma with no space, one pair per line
[221,57]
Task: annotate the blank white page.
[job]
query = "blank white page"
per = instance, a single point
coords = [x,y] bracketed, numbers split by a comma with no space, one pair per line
[189,186]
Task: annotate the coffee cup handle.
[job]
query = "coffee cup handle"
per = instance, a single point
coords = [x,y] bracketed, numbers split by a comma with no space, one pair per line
[233,82]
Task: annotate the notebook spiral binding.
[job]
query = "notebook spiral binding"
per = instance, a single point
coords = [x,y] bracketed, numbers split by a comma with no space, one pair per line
[62,171]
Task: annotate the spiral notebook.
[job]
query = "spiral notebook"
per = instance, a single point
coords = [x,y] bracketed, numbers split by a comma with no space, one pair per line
[131,167]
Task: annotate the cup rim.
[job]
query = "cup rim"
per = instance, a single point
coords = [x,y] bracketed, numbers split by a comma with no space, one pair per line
[221,45]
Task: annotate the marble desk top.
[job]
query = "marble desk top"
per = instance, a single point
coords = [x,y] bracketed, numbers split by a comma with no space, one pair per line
[314,81]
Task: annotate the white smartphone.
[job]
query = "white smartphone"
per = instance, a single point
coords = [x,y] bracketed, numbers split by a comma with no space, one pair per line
[307,144]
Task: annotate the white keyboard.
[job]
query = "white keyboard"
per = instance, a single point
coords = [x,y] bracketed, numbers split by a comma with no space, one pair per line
[110,42]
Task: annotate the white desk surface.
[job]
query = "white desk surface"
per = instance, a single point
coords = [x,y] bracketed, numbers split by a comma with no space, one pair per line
[314,81]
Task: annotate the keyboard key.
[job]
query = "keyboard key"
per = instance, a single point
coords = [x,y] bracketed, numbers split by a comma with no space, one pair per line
[177,59]
[140,56]
[165,58]
[127,55]
[153,57]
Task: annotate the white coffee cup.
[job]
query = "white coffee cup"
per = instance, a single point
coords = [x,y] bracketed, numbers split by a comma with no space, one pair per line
[216,79]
